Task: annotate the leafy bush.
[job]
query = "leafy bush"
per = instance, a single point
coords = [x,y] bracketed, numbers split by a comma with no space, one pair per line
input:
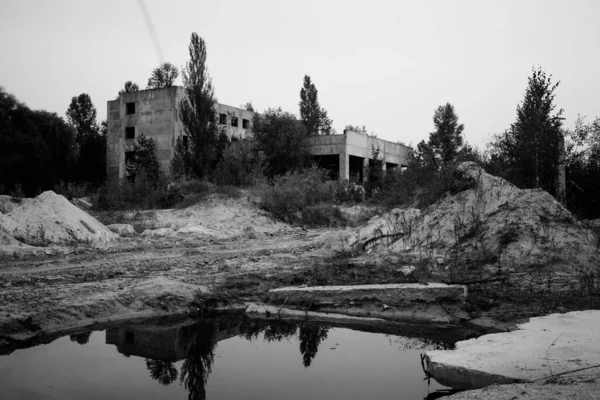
[241,165]
[288,195]
[349,192]
[141,193]
[421,186]
[72,190]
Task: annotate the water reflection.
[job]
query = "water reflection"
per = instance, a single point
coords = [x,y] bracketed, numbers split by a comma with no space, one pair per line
[311,336]
[81,338]
[191,345]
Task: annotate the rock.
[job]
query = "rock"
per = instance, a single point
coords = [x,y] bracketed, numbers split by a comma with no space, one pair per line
[392,294]
[554,344]
[161,232]
[122,229]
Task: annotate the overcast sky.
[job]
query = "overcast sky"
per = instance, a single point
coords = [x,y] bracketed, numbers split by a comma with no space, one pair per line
[383,64]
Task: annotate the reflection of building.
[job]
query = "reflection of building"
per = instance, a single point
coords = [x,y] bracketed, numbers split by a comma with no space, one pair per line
[348,155]
[164,342]
[148,341]
[154,113]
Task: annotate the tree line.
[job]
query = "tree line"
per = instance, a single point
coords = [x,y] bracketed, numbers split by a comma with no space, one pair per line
[38,149]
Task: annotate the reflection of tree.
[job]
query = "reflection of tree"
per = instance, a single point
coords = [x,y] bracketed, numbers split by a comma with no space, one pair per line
[162,371]
[311,336]
[81,338]
[199,341]
[274,330]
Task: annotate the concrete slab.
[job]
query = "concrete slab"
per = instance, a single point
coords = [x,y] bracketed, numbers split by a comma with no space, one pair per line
[390,294]
[543,347]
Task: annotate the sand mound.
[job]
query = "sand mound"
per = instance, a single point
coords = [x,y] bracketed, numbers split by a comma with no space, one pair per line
[493,221]
[52,219]
[217,217]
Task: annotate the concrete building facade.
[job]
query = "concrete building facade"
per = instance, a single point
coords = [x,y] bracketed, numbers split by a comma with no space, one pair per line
[348,155]
[154,113]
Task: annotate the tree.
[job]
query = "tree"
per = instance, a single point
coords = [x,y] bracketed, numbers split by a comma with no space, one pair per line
[198,115]
[282,139]
[375,173]
[129,87]
[248,106]
[447,138]
[81,114]
[528,151]
[143,157]
[314,117]
[163,76]
[583,168]
[35,147]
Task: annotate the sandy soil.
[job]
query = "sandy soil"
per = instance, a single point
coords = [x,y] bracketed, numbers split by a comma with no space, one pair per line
[150,275]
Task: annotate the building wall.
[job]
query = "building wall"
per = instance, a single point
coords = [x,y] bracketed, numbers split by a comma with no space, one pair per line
[230,113]
[358,145]
[157,117]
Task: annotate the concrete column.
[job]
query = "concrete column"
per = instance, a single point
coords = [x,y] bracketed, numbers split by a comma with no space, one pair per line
[344,172]
[365,168]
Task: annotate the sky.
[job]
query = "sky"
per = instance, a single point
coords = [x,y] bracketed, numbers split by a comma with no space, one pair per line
[383,64]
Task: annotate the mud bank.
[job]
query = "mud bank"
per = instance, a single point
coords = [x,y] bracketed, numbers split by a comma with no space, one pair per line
[412,302]
[547,348]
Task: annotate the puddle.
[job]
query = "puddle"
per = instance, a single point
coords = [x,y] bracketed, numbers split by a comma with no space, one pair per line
[227,357]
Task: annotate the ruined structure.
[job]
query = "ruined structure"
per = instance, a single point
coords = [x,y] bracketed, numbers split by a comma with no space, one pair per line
[348,155]
[154,113]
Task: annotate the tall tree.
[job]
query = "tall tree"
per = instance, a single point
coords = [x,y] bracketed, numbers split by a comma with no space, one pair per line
[129,87]
[35,147]
[447,138]
[198,115]
[90,145]
[314,117]
[143,157]
[81,114]
[163,76]
[529,149]
[282,139]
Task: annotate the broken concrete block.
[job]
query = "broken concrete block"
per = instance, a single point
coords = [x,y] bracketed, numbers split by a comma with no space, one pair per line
[392,294]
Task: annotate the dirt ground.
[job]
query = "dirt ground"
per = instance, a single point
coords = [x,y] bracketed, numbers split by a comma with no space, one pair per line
[225,253]
[150,275]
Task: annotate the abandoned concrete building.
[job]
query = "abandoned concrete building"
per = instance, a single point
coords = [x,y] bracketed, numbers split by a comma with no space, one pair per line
[154,113]
[347,156]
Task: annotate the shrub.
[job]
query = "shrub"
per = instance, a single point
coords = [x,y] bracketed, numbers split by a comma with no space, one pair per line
[72,190]
[141,193]
[421,186]
[349,192]
[241,165]
[290,194]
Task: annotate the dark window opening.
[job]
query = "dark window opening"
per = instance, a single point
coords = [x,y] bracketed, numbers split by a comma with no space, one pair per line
[130,108]
[330,162]
[130,132]
[245,123]
[234,121]
[129,338]
[186,140]
[222,119]
[356,168]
